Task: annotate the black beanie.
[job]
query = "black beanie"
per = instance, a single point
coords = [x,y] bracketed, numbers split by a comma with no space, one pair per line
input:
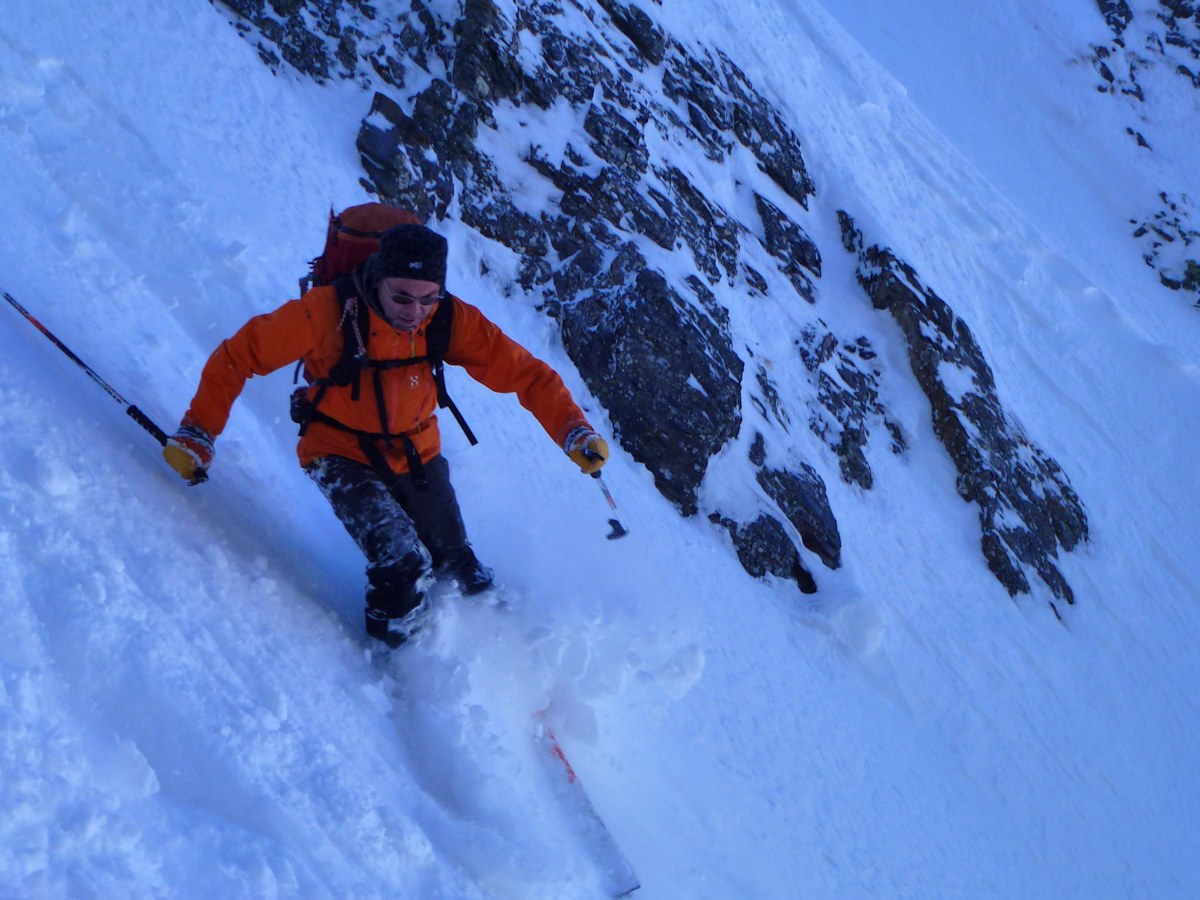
[409,251]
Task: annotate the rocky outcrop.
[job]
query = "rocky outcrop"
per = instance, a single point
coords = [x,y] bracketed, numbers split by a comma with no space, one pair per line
[1027,507]
[663,368]
[801,496]
[764,548]
[1167,38]
[847,383]
[1171,246]
[1116,13]
[798,256]
[306,35]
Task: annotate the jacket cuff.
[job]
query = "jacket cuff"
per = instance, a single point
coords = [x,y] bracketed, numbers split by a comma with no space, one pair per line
[575,430]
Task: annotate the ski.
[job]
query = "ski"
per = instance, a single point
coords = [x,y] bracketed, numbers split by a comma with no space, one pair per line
[619,878]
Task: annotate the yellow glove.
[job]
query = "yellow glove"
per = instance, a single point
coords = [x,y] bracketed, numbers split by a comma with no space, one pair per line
[587,450]
[189,451]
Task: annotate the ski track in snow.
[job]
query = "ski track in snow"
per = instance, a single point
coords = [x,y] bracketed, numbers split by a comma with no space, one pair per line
[186,707]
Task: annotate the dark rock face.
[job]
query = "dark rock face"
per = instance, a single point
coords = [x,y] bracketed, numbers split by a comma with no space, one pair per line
[1171,35]
[645,269]
[791,245]
[801,496]
[764,548]
[650,42]
[636,339]
[1169,237]
[847,386]
[1027,508]
[283,34]
[1168,245]
[1116,13]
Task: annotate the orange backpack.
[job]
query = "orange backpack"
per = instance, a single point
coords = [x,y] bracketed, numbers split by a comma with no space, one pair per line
[353,235]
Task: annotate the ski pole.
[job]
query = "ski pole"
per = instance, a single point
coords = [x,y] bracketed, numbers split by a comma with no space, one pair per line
[134,413]
[618,530]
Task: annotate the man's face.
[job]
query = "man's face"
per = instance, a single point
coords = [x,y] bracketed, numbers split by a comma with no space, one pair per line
[407,302]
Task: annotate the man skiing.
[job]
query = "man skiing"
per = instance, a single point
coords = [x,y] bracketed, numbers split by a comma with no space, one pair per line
[369,432]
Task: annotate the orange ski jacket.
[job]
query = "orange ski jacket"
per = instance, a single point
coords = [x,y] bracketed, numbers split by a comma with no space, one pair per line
[310,329]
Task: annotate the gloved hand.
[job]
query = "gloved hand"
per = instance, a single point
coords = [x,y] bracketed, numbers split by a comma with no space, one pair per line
[587,450]
[189,451]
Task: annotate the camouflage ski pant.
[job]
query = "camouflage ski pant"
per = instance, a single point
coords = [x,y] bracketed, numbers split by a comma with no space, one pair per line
[402,535]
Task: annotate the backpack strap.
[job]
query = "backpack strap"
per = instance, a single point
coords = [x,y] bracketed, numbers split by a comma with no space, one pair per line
[416,468]
[369,444]
[437,344]
[355,324]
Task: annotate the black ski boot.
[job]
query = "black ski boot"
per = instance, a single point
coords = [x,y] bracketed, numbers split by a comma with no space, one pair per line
[473,577]
[396,607]
[395,632]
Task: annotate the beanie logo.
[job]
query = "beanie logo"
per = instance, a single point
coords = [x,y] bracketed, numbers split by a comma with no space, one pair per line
[413,250]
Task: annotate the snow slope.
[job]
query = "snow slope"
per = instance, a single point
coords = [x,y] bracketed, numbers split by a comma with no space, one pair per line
[186,709]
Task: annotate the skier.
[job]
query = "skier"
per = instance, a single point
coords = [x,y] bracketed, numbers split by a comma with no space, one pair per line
[371,442]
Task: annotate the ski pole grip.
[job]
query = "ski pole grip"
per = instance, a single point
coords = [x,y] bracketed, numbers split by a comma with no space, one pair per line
[142,419]
[590,454]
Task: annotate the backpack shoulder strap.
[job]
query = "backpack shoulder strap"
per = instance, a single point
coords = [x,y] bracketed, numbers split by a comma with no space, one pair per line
[437,344]
[437,332]
[355,322]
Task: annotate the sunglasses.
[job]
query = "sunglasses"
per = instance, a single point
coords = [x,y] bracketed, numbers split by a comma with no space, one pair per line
[403,299]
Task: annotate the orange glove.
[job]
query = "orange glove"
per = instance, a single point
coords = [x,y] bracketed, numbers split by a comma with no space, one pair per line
[587,450]
[190,452]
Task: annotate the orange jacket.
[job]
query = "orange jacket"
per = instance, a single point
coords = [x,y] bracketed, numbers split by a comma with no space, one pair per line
[309,329]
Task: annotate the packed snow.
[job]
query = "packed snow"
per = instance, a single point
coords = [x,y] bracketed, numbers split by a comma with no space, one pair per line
[188,707]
